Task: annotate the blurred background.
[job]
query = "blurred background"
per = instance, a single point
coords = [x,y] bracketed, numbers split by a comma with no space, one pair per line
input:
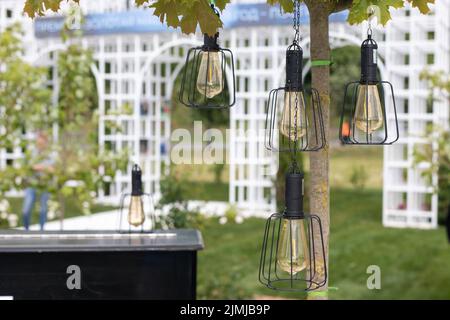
[97,85]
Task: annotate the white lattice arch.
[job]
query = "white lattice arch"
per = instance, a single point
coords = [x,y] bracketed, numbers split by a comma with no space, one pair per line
[407,43]
[259,57]
[144,74]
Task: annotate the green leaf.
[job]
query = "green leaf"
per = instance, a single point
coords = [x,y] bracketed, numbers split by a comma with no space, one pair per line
[422,5]
[209,22]
[188,14]
[193,13]
[166,10]
[286,5]
[358,10]
[38,7]
[140,2]
[188,23]
[221,4]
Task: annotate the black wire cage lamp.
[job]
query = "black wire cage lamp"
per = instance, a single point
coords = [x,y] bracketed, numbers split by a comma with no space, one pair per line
[140,206]
[367,104]
[204,84]
[294,120]
[293,250]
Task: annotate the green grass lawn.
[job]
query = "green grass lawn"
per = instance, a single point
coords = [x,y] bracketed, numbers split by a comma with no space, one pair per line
[344,159]
[414,263]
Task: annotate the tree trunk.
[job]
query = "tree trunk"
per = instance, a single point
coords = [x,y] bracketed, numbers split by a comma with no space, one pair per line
[319,161]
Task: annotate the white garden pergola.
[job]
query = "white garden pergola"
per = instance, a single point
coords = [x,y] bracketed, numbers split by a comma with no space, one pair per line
[413,43]
[138,59]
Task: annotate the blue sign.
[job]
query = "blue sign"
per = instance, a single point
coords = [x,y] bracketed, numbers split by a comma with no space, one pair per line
[143,20]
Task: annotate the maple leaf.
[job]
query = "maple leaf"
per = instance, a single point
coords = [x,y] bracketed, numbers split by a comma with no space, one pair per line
[192,13]
[221,4]
[209,22]
[286,5]
[188,14]
[358,10]
[167,12]
[38,7]
[140,2]
[422,5]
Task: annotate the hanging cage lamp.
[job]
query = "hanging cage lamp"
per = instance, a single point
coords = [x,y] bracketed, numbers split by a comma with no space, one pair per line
[294,119]
[369,115]
[293,250]
[140,206]
[204,84]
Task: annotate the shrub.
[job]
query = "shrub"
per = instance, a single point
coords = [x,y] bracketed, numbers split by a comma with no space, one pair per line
[178,215]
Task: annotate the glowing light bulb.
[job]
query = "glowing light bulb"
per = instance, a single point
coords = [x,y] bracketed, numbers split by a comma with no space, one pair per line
[293,121]
[368,112]
[136,215]
[293,253]
[210,77]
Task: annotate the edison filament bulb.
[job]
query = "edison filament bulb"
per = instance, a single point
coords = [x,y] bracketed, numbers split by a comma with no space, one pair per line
[368,111]
[293,123]
[210,77]
[136,215]
[293,254]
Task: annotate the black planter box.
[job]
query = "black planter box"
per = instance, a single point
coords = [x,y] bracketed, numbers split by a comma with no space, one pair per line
[99,265]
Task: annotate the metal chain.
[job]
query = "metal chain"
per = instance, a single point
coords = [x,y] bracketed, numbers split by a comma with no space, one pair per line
[296,21]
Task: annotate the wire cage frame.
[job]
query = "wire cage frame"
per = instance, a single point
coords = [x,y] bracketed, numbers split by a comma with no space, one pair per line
[351,132]
[288,139]
[315,273]
[294,120]
[204,63]
[149,215]
[369,112]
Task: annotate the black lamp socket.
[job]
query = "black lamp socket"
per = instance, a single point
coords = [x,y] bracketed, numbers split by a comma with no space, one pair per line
[294,195]
[294,72]
[369,62]
[210,42]
[136,181]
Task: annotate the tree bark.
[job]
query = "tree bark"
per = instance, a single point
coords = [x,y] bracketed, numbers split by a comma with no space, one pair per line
[319,161]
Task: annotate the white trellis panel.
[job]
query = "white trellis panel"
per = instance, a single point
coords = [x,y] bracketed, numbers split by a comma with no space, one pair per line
[413,43]
[137,70]
[258,55]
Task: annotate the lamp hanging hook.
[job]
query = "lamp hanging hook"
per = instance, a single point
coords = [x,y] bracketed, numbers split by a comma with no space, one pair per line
[373,12]
[212,4]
